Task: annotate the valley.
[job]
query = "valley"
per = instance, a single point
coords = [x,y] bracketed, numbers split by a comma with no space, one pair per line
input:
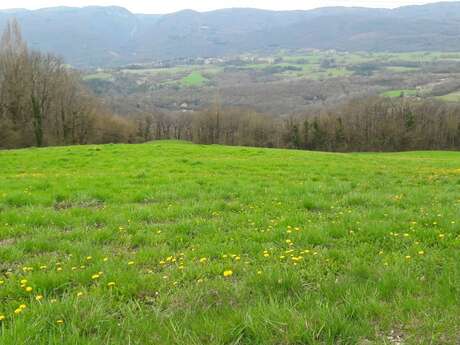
[295,80]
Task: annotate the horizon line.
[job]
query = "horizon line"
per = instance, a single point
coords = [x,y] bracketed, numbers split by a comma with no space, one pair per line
[221,9]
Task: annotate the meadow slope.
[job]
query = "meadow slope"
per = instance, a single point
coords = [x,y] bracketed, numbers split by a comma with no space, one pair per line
[175,243]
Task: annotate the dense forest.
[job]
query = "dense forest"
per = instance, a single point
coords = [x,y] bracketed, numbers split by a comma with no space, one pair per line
[43,102]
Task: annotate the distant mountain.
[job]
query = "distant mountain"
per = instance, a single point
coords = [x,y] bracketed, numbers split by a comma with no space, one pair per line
[108,36]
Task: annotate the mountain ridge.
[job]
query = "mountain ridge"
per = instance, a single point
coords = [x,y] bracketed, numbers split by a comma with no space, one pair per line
[111,35]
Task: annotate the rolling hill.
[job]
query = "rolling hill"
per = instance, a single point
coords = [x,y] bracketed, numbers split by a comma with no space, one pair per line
[176,243]
[106,36]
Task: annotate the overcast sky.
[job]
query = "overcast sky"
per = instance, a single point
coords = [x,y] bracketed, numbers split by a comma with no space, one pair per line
[162,6]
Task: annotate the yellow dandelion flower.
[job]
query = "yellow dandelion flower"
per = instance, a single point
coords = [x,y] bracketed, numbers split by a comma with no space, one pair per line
[29,289]
[106,259]
[421,252]
[20,309]
[38,297]
[130,263]
[2,282]
[228,273]
[79,294]
[95,276]
[23,281]
[111,284]
[60,322]
[259,272]
[202,260]
[88,258]
[408,257]
[2,317]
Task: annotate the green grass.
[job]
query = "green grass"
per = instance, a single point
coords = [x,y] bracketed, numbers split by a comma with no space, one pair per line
[257,66]
[451,97]
[98,76]
[398,93]
[194,79]
[324,248]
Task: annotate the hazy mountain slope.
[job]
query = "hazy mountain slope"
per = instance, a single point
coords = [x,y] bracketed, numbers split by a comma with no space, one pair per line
[352,32]
[97,36]
[92,35]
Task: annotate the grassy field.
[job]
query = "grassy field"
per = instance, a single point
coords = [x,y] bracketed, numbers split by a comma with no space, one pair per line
[399,93]
[175,243]
[194,79]
[98,76]
[451,97]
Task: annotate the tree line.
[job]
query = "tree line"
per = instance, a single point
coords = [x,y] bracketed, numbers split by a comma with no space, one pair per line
[43,103]
[365,124]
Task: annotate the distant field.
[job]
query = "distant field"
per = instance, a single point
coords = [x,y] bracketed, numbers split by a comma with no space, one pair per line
[284,65]
[451,97]
[175,243]
[194,79]
[99,75]
[399,93]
